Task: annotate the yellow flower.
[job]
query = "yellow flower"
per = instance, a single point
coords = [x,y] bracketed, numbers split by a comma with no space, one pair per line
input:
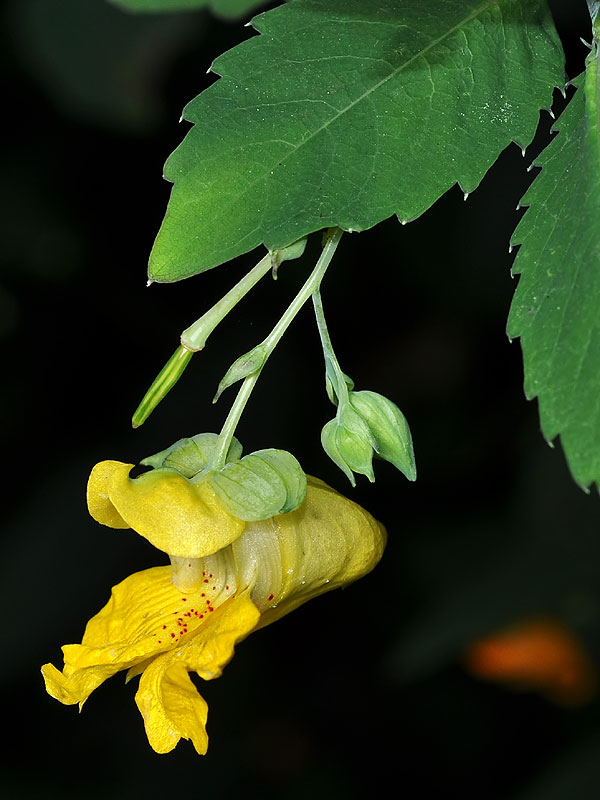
[165,622]
[182,518]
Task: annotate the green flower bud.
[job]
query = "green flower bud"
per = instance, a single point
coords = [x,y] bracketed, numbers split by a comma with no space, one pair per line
[389,429]
[192,455]
[349,444]
[260,485]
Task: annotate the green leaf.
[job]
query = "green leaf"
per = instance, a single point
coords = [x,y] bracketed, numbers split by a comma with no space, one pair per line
[224,8]
[556,308]
[345,112]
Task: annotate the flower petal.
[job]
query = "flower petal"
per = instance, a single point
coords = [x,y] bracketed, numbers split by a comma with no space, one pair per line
[99,503]
[328,542]
[167,699]
[181,518]
[145,616]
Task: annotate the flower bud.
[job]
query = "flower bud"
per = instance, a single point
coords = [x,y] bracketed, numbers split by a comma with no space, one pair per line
[389,430]
[349,444]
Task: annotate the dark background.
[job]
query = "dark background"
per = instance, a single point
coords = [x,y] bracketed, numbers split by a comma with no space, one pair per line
[358,687]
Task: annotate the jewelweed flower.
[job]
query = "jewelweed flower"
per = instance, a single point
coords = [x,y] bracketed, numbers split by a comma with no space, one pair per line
[227,578]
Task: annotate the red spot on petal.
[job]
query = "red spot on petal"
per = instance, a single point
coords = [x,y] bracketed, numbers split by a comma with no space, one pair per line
[270,597]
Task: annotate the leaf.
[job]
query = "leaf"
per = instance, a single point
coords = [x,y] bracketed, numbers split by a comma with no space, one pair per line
[556,308]
[344,112]
[223,8]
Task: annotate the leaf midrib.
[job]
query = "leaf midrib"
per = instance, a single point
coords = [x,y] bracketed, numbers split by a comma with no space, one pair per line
[473,15]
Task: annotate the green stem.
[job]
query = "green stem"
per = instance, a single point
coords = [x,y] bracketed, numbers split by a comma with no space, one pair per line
[332,366]
[194,338]
[311,285]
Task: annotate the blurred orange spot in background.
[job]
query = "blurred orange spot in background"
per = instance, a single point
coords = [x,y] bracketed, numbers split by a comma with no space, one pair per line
[539,654]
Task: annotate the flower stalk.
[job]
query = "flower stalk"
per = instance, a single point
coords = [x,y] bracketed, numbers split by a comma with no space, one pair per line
[194,338]
[267,346]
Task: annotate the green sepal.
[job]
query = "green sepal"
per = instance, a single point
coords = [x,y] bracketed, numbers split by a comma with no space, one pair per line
[389,429]
[242,367]
[189,456]
[349,444]
[260,485]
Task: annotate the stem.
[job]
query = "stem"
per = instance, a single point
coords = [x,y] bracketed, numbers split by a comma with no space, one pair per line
[194,338]
[332,366]
[310,286]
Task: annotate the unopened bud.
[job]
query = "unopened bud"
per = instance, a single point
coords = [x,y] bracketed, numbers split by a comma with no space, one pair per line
[389,430]
[349,444]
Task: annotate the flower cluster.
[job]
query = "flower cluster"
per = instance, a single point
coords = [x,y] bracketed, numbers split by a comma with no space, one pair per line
[227,578]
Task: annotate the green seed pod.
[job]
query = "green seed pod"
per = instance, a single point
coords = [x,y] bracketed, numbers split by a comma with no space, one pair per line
[389,429]
[162,384]
[190,456]
[260,485]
